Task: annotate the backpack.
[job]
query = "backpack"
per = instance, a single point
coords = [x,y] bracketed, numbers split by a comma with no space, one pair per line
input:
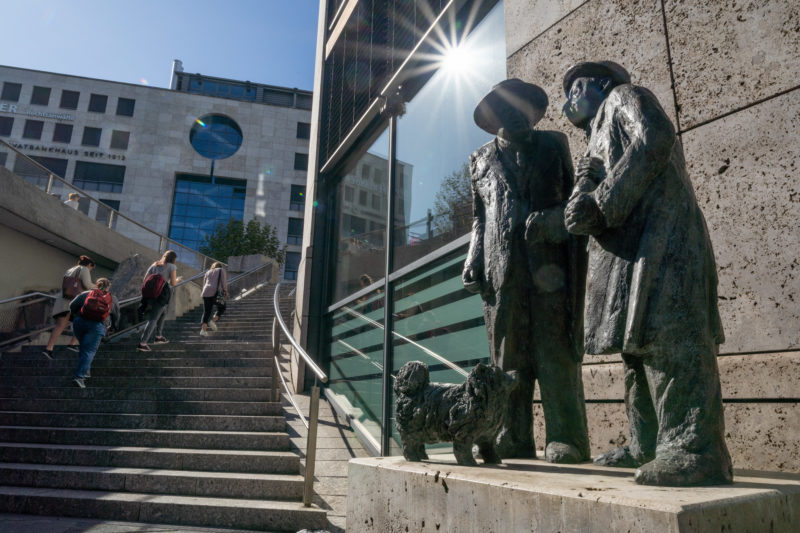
[153,286]
[71,285]
[97,305]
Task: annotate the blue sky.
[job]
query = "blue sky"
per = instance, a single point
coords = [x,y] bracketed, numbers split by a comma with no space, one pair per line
[135,41]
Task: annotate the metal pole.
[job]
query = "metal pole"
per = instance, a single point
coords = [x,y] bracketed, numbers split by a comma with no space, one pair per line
[386,411]
[111,219]
[311,445]
[160,244]
[276,363]
[49,183]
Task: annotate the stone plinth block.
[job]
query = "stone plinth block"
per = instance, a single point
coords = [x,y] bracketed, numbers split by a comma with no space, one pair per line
[389,494]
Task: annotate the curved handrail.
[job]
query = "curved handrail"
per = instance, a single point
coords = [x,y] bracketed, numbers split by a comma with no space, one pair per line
[311,364]
[28,295]
[114,213]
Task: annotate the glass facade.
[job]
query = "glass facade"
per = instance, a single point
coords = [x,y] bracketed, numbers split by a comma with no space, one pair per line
[200,205]
[419,297]
[215,136]
[99,176]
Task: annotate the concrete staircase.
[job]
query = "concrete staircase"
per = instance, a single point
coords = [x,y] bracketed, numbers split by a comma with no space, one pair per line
[184,434]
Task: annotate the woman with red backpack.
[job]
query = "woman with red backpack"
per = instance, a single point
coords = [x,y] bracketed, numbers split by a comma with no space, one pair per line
[156,292]
[91,309]
[76,280]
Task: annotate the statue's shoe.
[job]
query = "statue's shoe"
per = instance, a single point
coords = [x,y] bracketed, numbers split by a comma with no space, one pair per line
[683,469]
[562,453]
[507,447]
[620,457]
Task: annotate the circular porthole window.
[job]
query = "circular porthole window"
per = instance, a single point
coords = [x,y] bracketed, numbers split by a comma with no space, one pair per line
[215,136]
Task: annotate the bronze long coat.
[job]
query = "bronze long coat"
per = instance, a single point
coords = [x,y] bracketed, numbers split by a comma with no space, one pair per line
[652,276]
[544,278]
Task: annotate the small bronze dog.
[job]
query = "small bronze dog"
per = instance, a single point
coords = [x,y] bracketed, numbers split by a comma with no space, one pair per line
[471,412]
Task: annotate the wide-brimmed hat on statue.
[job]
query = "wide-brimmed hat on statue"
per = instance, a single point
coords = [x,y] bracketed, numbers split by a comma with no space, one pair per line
[596,69]
[527,97]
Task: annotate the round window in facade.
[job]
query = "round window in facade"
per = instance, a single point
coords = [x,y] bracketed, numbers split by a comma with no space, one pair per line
[215,136]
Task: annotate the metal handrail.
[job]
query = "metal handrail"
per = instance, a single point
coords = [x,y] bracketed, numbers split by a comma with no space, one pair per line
[114,214]
[313,416]
[28,295]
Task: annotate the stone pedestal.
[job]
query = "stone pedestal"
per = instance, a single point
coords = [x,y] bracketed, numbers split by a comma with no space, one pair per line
[390,494]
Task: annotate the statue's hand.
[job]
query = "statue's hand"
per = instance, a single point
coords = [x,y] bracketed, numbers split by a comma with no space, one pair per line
[582,215]
[472,278]
[590,168]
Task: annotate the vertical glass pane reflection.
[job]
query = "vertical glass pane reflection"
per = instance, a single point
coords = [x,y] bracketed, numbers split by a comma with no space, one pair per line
[360,230]
[438,322]
[356,355]
[435,137]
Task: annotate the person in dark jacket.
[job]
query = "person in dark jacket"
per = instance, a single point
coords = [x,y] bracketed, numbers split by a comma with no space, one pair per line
[90,329]
[651,291]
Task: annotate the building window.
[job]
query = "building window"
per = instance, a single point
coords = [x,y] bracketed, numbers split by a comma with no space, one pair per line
[303,130]
[362,198]
[104,211]
[297,200]
[365,172]
[215,136]
[32,173]
[348,194]
[40,95]
[97,103]
[6,123]
[119,139]
[3,158]
[199,206]
[291,265]
[376,202]
[91,136]
[295,233]
[99,176]
[301,161]
[11,91]
[125,106]
[33,129]
[69,99]
[219,89]
[62,133]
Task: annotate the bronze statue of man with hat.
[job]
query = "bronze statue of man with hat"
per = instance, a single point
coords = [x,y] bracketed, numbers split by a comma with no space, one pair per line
[529,270]
[651,290]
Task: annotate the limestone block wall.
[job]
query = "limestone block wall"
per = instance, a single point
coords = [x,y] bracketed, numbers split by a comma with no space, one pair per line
[728,74]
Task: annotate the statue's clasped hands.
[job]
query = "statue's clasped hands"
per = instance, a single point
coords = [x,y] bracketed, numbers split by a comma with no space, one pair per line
[582,215]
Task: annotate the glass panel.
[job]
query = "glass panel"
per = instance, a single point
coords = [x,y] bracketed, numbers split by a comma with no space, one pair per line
[361,248]
[438,322]
[433,201]
[356,354]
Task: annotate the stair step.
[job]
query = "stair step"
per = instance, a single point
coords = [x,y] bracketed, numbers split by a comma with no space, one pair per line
[139,382]
[154,438]
[101,361]
[144,421]
[149,508]
[145,394]
[155,481]
[142,406]
[245,461]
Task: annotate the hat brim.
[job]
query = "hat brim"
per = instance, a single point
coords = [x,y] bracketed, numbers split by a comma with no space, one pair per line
[530,99]
[596,69]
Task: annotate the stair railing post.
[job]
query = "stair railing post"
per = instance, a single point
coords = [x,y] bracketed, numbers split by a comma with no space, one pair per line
[276,364]
[49,184]
[111,219]
[311,446]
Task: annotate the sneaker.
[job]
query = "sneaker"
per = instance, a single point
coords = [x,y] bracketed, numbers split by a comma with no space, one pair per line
[73,348]
[212,325]
[203,333]
[79,382]
[48,354]
[88,375]
[143,347]
[160,340]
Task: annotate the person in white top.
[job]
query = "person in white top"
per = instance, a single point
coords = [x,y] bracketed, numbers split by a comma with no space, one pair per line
[81,281]
[215,287]
[73,201]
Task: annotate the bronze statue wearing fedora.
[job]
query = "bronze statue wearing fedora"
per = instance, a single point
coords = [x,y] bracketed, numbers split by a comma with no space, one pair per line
[651,291]
[529,270]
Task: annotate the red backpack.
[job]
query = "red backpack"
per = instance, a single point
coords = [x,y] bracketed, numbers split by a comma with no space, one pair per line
[71,285]
[97,305]
[152,286]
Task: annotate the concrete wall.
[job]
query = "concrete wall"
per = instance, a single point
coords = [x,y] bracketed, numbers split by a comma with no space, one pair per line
[727,74]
